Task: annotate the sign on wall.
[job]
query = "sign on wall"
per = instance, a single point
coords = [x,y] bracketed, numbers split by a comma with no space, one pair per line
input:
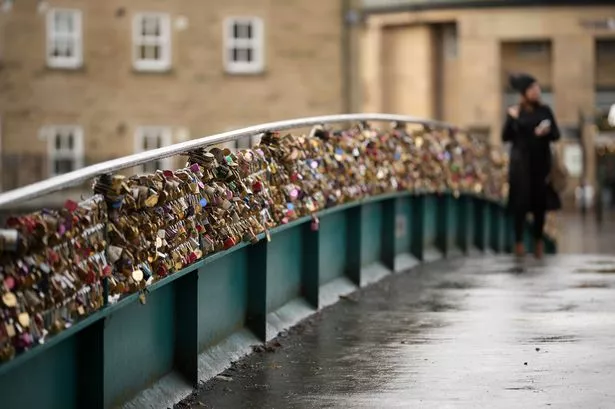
[573,159]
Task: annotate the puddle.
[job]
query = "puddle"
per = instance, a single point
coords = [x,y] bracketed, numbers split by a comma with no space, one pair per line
[454,285]
[434,305]
[605,270]
[521,388]
[558,339]
[601,262]
[590,284]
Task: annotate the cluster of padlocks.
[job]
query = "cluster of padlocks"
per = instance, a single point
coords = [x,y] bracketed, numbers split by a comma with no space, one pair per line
[58,266]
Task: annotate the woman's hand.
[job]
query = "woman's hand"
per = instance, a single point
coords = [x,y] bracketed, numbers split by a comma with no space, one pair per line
[543,128]
[513,111]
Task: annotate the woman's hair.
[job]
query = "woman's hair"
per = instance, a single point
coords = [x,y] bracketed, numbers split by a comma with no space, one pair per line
[521,82]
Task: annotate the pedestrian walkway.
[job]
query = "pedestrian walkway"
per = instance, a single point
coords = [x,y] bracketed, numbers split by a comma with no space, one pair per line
[465,333]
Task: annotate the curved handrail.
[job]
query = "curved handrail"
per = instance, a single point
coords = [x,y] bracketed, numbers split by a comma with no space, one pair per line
[66,180]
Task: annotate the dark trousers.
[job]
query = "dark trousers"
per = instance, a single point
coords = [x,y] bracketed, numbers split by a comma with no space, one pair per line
[537,228]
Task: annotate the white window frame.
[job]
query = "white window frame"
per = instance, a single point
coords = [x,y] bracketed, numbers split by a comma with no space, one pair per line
[166,137]
[256,44]
[76,60]
[163,41]
[53,154]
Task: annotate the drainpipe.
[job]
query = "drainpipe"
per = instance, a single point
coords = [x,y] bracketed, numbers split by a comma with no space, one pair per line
[346,56]
[350,20]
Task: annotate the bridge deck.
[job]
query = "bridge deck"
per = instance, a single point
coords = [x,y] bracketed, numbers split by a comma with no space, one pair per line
[464,333]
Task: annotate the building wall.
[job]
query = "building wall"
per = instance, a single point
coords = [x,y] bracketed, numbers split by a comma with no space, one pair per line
[196,97]
[491,43]
[487,39]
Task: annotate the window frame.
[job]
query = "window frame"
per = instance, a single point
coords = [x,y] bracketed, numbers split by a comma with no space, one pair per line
[166,135]
[53,154]
[76,61]
[164,63]
[256,43]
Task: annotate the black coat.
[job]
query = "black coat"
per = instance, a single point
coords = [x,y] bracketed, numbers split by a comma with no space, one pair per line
[530,161]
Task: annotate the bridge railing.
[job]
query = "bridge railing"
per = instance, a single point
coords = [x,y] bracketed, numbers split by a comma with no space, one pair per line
[137,294]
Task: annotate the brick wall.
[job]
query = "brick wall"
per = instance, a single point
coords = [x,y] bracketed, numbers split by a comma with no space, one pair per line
[196,97]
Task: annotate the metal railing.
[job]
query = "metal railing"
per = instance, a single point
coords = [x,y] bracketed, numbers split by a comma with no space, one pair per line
[70,179]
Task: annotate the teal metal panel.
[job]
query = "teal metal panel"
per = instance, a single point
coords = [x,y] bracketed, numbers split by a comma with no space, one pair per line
[187,327]
[430,216]
[464,215]
[509,236]
[332,244]
[284,265]
[387,233]
[495,227]
[354,234]
[310,270]
[371,228]
[90,360]
[480,223]
[417,242]
[222,298]
[256,318]
[453,223]
[139,345]
[47,381]
[403,225]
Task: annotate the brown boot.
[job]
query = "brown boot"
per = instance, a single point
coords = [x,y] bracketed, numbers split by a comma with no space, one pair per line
[519,250]
[539,249]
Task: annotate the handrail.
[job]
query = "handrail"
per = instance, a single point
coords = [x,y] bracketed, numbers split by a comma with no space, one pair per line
[66,180]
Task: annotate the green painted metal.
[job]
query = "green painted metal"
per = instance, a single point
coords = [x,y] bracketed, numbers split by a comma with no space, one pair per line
[495,227]
[371,226]
[222,298]
[417,242]
[430,220]
[310,273]
[132,360]
[333,233]
[284,263]
[387,233]
[480,223]
[111,356]
[354,245]
[403,225]
[465,217]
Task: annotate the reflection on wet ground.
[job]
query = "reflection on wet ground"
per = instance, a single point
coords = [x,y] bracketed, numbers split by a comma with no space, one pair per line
[463,333]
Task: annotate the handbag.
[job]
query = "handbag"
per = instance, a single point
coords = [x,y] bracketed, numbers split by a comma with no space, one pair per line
[558,176]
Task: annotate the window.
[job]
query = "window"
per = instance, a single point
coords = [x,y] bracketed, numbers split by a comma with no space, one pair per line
[65,148]
[244,45]
[152,42]
[153,137]
[534,49]
[450,42]
[64,38]
[605,50]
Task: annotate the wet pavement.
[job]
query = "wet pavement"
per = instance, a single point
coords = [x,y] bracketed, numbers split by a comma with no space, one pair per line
[483,332]
[464,333]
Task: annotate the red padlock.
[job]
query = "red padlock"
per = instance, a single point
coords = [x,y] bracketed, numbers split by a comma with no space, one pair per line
[228,243]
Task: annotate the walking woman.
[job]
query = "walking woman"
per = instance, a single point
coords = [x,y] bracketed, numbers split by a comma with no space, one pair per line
[530,128]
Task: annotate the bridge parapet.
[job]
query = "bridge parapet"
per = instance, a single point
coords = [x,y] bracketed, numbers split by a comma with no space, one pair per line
[227,252]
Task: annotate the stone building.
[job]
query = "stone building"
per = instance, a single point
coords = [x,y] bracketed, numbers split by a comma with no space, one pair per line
[83,81]
[451,59]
